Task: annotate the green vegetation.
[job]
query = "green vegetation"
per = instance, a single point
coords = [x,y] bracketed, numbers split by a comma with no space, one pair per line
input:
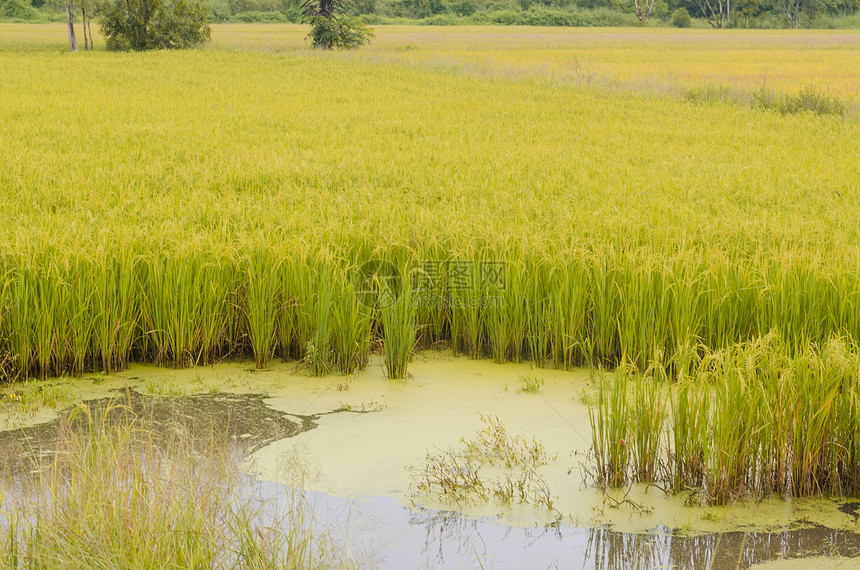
[531,384]
[116,495]
[332,28]
[345,32]
[179,237]
[17,10]
[751,420]
[830,14]
[535,204]
[681,18]
[492,466]
[808,100]
[154,24]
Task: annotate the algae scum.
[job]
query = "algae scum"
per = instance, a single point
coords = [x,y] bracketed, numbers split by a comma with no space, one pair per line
[244,419]
[378,480]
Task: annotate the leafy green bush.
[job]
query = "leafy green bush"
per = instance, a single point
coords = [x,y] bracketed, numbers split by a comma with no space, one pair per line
[343,32]
[16,10]
[681,18]
[219,11]
[155,24]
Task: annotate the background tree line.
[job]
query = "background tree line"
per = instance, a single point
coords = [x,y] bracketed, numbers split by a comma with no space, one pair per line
[704,13]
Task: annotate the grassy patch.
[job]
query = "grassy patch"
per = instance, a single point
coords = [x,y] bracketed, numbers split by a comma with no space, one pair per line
[493,466]
[751,420]
[114,495]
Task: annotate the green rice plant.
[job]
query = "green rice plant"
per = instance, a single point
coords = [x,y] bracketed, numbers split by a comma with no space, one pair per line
[217,280]
[322,323]
[467,301]
[399,331]
[432,297]
[293,317]
[814,471]
[647,418]
[753,419]
[5,350]
[173,288]
[735,416]
[314,291]
[47,307]
[116,308]
[568,321]
[79,306]
[687,441]
[643,320]
[19,322]
[505,283]
[351,329]
[610,432]
[261,302]
[798,311]
[687,313]
[606,309]
[538,297]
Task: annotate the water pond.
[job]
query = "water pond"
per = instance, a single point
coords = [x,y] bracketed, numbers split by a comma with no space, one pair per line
[359,447]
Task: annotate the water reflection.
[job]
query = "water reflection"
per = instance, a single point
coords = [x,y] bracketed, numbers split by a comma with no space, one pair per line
[381,532]
[400,537]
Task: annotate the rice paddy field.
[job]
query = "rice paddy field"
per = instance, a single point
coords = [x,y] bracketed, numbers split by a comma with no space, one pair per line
[652,200]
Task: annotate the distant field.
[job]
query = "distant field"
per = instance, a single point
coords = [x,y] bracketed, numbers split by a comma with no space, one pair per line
[659,59]
[179,206]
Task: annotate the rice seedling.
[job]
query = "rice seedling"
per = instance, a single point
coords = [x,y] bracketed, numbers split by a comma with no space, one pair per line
[531,384]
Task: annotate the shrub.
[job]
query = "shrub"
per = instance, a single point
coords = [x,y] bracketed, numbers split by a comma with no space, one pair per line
[681,18]
[343,32]
[16,10]
[155,24]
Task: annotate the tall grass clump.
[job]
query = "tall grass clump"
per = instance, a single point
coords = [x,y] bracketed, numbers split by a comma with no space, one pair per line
[809,99]
[399,336]
[751,420]
[118,493]
[610,432]
[262,299]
